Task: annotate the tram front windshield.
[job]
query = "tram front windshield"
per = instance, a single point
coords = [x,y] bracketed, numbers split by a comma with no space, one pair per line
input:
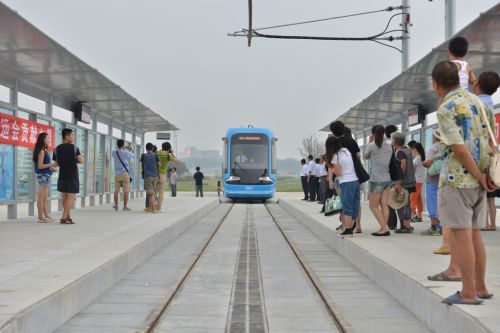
[249,156]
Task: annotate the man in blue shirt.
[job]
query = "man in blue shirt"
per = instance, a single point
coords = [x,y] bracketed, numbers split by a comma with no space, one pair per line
[150,164]
[122,159]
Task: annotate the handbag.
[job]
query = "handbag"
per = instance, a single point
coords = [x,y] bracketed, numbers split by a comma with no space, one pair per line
[361,173]
[494,168]
[394,169]
[435,168]
[333,205]
[130,178]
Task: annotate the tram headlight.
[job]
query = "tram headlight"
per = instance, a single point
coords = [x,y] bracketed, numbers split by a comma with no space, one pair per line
[233,179]
[265,180]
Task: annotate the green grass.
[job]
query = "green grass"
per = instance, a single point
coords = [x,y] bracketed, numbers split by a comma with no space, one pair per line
[284,184]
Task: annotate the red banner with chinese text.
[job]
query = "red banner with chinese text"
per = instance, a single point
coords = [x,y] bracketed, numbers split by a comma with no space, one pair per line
[21,132]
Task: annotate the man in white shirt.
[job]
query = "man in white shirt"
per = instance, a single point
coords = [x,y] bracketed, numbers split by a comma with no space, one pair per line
[311,178]
[303,178]
[317,174]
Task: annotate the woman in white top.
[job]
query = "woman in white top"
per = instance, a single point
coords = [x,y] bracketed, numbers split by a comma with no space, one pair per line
[342,164]
[416,201]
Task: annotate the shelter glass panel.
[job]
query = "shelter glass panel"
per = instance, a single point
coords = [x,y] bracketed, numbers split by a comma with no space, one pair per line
[80,142]
[58,127]
[90,163]
[30,103]
[99,165]
[112,177]
[4,94]
[62,114]
[428,139]
[102,128]
[132,165]
[107,164]
[138,154]
[24,167]
[116,133]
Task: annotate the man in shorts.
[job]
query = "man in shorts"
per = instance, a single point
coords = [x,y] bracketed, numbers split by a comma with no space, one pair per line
[122,159]
[151,163]
[463,181]
[68,156]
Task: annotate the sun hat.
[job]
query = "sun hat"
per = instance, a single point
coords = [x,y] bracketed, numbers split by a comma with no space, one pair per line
[398,200]
[436,133]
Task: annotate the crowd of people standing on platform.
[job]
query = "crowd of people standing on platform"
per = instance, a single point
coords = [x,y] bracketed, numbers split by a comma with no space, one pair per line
[156,169]
[460,195]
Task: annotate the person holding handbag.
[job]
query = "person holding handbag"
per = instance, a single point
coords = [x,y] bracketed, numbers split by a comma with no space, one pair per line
[121,158]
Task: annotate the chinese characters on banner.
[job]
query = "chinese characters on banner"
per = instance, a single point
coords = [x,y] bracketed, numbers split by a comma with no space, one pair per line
[21,132]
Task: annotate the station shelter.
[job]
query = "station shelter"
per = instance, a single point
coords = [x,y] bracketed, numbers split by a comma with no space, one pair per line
[45,88]
[409,101]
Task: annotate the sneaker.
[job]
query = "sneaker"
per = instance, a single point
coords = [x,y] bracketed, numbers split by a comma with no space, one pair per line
[156,211]
[347,233]
[115,208]
[147,210]
[430,232]
[404,231]
[126,209]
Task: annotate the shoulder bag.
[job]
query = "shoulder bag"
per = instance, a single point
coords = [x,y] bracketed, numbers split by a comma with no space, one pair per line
[116,151]
[333,205]
[361,173]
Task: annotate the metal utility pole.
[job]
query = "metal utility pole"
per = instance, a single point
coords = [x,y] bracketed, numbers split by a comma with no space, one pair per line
[449,18]
[405,42]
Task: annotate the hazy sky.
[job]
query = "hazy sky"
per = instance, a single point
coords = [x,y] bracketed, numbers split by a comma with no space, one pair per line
[175,57]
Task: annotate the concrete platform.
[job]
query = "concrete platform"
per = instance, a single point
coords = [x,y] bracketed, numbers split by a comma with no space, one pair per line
[50,272]
[400,264]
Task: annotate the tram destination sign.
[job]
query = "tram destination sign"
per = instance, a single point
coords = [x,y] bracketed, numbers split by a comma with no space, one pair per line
[21,132]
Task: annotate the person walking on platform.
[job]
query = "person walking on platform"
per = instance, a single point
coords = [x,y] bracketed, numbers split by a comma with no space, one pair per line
[405,162]
[311,178]
[379,152]
[198,182]
[303,178]
[122,158]
[150,163]
[173,181]
[463,124]
[43,170]
[485,86]
[68,156]
[165,155]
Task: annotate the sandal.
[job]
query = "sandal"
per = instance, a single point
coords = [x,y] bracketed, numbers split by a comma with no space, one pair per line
[358,231]
[443,277]
[442,250]
[43,220]
[66,221]
[457,299]
[484,295]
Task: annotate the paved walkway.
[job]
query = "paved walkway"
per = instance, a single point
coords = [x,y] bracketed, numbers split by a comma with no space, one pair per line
[40,262]
[410,256]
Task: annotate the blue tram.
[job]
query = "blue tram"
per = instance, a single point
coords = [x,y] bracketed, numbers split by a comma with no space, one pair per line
[249,169]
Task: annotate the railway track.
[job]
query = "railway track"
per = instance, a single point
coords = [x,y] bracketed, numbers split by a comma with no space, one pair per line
[323,295]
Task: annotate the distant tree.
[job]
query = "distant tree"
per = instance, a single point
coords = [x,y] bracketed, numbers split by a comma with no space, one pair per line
[311,146]
[181,167]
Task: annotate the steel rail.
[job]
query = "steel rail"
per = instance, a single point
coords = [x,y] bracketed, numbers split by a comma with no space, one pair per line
[153,323]
[341,324]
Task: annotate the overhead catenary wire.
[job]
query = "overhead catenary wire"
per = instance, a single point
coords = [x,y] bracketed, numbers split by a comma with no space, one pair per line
[388,9]
[249,33]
